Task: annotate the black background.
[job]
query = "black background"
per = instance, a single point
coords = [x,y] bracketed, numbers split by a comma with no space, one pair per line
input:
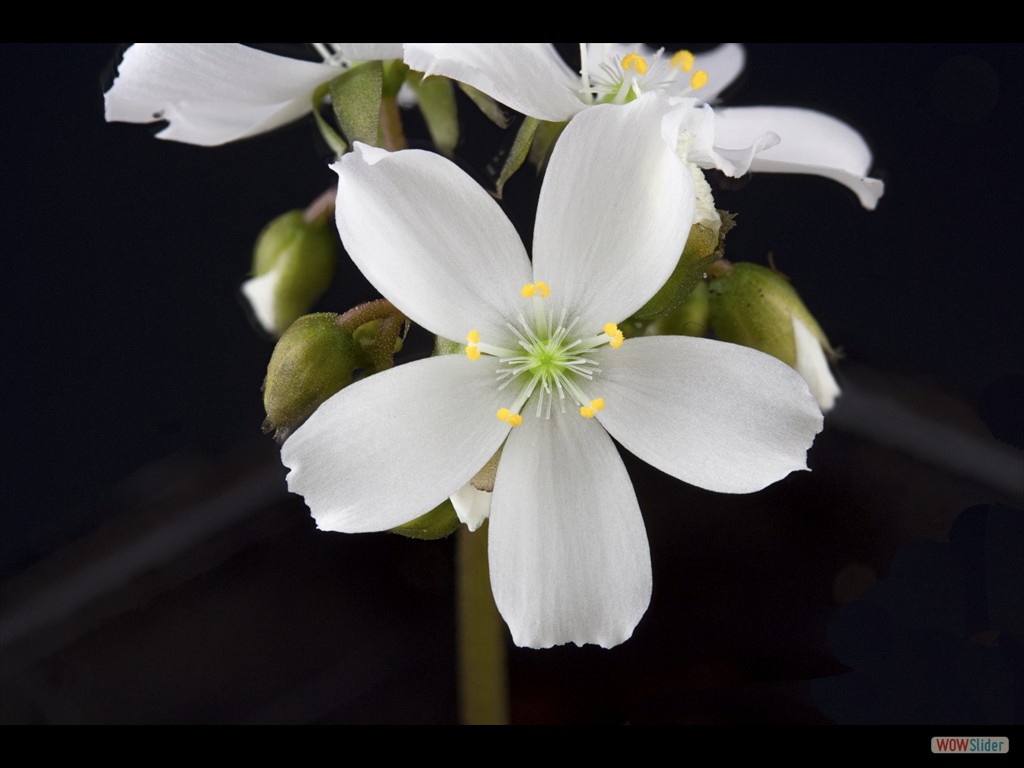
[131,385]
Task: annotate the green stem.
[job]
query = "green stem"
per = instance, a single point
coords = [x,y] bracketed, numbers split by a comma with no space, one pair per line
[392,133]
[483,677]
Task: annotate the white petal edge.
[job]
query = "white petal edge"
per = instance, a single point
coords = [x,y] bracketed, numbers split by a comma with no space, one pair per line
[472,506]
[691,125]
[567,547]
[212,93]
[261,293]
[811,142]
[719,416]
[614,212]
[812,364]
[723,65]
[528,77]
[391,447]
[432,241]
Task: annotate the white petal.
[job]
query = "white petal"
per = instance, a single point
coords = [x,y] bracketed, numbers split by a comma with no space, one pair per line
[392,447]
[371,51]
[212,93]
[528,77]
[716,415]
[568,551]
[614,212]
[261,293]
[472,506]
[812,364]
[812,142]
[432,241]
[694,125]
[723,65]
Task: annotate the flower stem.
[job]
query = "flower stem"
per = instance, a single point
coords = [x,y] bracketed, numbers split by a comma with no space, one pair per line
[483,678]
[392,134]
[318,211]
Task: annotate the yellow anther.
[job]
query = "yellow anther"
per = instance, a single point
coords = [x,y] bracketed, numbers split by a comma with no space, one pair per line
[616,337]
[699,79]
[473,352]
[682,60]
[543,289]
[587,412]
[636,61]
[598,404]
[512,419]
[528,290]
[473,337]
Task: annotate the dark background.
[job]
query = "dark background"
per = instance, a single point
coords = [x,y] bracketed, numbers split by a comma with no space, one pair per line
[155,569]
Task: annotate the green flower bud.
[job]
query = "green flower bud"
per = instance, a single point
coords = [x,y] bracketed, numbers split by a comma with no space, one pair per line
[293,263]
[314,359]
[757,307]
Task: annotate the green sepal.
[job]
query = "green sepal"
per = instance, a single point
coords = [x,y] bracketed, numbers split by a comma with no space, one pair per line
[703,248]
[327,131]
[394,73]
[443,346]
[436,99]
[305,253]
[513,159]
[544,142]
[486,104]
[438,523]
[312,361]
[355,98]
[752,305]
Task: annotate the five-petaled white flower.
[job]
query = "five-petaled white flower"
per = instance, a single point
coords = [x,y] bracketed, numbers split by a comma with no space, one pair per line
[546,377]
[213,93]
[533,79]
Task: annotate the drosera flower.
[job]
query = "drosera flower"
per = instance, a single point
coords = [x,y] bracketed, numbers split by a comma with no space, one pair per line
[214,93]
[533,79]
[546,376]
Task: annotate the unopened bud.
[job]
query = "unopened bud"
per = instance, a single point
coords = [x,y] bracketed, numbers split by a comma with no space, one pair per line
[757,307]
[314,359]
[293,264]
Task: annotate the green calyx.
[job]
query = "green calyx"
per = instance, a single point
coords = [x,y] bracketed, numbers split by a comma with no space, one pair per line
[753,305]
[302,256]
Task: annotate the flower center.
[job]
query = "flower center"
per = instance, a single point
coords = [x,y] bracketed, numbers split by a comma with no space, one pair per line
[620,78]
[552,363]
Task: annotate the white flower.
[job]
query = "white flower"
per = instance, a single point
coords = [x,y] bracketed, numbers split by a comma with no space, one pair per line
[213,93]
[545,373]
[533,79]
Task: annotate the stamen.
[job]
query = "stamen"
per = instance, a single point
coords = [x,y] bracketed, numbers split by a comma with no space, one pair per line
[512,419]
[682,60]
[636,61]
[699,79]
[472,348]
[589,411]
[528,290]
[615,336]
[543,289]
